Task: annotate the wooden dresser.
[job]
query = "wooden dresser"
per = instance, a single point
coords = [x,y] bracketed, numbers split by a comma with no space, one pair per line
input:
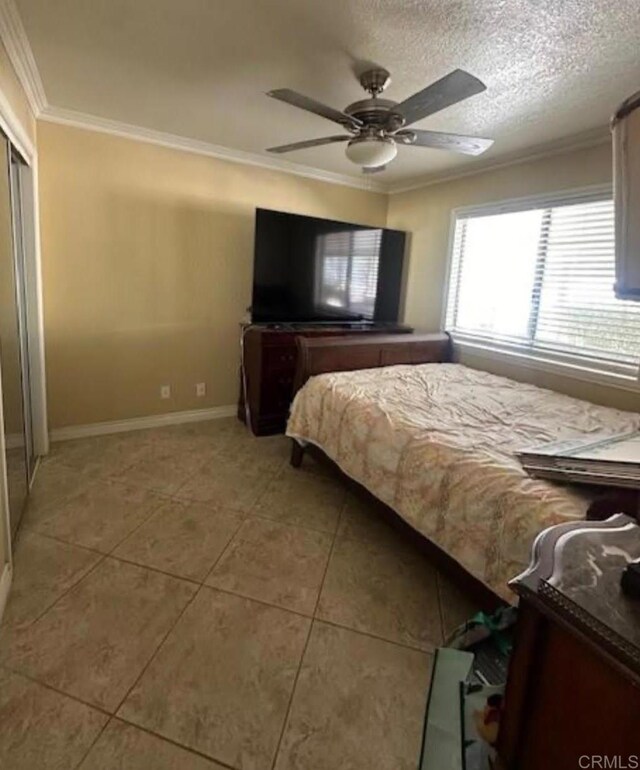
[573,689]
[269,364]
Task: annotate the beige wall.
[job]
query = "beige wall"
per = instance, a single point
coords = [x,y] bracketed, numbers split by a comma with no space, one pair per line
[147,259]
[147,269]
[426,214]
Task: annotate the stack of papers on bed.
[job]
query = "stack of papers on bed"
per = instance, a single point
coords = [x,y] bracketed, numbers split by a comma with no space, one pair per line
[614,461]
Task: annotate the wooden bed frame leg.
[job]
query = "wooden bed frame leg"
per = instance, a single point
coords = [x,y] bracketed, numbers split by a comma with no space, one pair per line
[297,453]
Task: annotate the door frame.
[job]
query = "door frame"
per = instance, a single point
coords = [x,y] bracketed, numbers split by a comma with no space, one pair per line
[28,201]
[19,137]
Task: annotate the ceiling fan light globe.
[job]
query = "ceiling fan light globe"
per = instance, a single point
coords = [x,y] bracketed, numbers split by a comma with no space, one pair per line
[371,152]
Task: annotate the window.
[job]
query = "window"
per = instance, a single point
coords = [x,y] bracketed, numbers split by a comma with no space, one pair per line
[539,281]
[348,271]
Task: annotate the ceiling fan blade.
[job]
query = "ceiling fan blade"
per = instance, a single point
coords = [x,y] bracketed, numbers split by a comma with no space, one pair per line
[310,143]
[311,105]
[374,170]
[467,145]
[454,87]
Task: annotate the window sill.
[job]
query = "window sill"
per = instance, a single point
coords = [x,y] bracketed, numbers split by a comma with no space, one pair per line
[624,378]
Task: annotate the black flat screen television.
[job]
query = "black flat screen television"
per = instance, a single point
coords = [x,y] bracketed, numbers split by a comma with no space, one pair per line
[316,270]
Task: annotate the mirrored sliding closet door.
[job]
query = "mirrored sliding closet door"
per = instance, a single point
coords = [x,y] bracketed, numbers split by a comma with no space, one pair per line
[14,355]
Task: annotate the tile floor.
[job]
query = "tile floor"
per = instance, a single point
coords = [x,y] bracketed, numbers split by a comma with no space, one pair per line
[185,600]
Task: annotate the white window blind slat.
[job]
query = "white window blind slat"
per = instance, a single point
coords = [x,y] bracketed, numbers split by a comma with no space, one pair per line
[542,279]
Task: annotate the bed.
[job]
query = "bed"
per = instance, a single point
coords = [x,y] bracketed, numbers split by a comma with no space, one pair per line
[435,442]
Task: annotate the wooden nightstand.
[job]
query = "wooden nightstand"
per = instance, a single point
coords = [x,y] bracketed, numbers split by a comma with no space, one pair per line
[573,690]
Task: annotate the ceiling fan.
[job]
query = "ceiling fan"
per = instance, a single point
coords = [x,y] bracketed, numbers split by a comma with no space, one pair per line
[377,126]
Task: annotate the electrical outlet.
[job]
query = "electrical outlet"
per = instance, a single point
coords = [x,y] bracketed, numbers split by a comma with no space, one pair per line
[201,389]
[165,391]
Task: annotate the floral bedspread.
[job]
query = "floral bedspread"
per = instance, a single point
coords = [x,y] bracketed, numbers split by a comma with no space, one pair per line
[436,443]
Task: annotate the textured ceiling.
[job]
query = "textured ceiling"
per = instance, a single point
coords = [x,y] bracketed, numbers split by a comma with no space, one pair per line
[199,68]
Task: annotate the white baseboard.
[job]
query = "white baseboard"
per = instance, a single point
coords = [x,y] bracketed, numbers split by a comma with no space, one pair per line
[5,586]
[141,423]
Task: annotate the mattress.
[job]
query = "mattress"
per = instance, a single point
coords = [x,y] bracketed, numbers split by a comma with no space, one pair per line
[437,443]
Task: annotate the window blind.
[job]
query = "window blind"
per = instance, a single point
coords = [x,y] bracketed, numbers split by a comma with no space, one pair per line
[541,280]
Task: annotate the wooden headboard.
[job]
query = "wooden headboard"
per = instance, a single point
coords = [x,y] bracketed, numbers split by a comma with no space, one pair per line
[317,355]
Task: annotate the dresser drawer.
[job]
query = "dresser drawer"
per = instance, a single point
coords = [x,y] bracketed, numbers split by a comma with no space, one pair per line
[281,382]
[274,358]
[276,394]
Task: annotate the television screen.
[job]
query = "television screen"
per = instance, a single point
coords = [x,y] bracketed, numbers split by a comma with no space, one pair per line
[317,270]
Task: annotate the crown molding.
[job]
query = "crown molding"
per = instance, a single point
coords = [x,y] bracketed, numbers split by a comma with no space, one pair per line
[19,50]
[580,141]
[173,141]
[21,56]
[12,126]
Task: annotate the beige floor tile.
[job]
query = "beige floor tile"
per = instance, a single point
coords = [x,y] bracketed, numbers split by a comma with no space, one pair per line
[222,680]
[225,428]
[52,485]
[275,563]
[124,747]
[43,570]
[100,516]
[160,472]
[94,642]
[192,450]
[185,539]
[100,456]
[302,499]
[264,454]
[41,729]
[359,704]
[456,606]
[223,434]
[209,440]
[70,452]
[221,483]
[363,519]
[388,592]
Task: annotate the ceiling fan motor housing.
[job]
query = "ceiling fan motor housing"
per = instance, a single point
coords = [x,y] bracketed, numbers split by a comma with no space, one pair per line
[373,112]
